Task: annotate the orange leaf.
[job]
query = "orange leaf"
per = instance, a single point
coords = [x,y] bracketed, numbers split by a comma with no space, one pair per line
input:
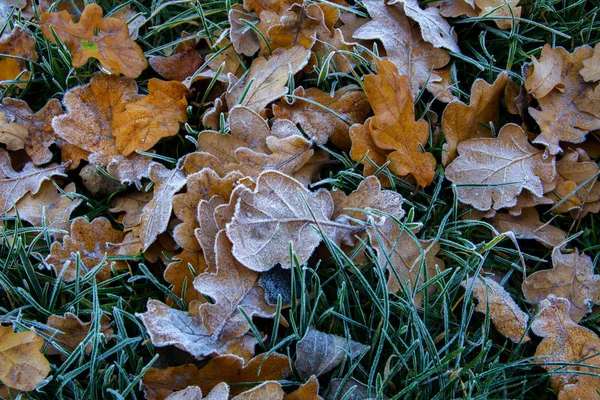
[19,44]
[22,365]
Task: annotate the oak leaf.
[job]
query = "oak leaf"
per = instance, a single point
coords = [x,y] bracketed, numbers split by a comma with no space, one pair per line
[181,273]
[456,8]
[182,63]
[403,43]
[320,123]
[546,74]
[244,39]
[528,226]
[105,39]
[267,79]
[91,240]
[571,278]
[350,389]
[269,390]
[72,331]
[14,185]
[88,125]
[281,212]
[576,170]
[564,342]
[131,205]
[500,8]
[491,173]
[208,228]
[298,26]
[318,352]
[394,128]
[308,391]
[219,392]
[157,213]
[461,122]
[22,365]
[364,150]
[144,122]
[505,314]
[559,114]
[19,46]
[591,66]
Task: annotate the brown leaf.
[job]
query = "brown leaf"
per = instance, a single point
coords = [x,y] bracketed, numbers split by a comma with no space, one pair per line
[493,172]
[500,8]
[319,352]
[91,240]
[461,122]
[269,390]
[586,386]
[131,204]
[576,169]
[456,8]
[558,114]
[546,74]
[318,122]
[267,78]
[219,392]
[434,28]
[48,208]
[403,43]
[179,274]
[158,384]
[350,389]
[364,149]
[564,342]
[157,213]
[208,228]
[528,226]
[88,125]
[73,331]
[394,128]
[98,183]
[505,314]
[181,64]
[442,90]
[105,39]
[19,43]
[281,212]
[308,391]
[14,185]
[571,278]
[591,66]
[298,26]
[245,40]
[22,365]
[144,122]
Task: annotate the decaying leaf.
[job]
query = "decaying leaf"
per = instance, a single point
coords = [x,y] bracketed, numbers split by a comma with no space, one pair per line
[546,74]
[528,226]
[181,64]
[365,150]
[298,26]
[179,274]
[269,390]
[245,40]
[91,242]
[21,45]
[319,352]
[14,185]
[591,66]
[144,122]
[404,46]
[105,39]
[506,9]
[22,365]
[158,384]
[461,122]
[72,331]
[219,392]
[156,214]
[308,391]
[350,389]
[320,123]
[267,79]
[505,314]
[281,212]
[572,278]
[564,342]
[393,128]
[491,173]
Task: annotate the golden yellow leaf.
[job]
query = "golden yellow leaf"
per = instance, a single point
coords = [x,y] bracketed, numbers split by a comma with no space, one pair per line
[308,391]
[105,39]
[19,43]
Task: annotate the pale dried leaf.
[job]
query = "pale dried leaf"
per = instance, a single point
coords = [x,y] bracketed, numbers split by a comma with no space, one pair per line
[528,226]
[22,365]
[269,390]
[546,74]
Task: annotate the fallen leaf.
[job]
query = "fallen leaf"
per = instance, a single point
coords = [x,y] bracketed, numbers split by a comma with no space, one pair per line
[591,66]
[442,89]
[297,27]
[105,39]
[267,79]
[500,8]
[19,45]
[91,241]
[158,384]
[131,204]
[73,331]
[244,39]
[157,213]
[546,73]
[528,226]
[182,63]
[281,212]
[144,122]
[318,352]
[131,17]
[350,389]
[587,385]
[461,122]
[48,208]
[491,173]
[267,390]
[179,274]
[318,121]
[576,170]
[434,28]
[308,391]
[456,8]
[403,43]
[364,150]
[394,128]
[14,185]
[558,113]
[571,278]
[88,125]
[219,392]
[22,365]
[564,342]
[505,314]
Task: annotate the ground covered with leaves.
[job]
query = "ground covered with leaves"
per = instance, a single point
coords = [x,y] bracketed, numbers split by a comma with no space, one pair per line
[299,199]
